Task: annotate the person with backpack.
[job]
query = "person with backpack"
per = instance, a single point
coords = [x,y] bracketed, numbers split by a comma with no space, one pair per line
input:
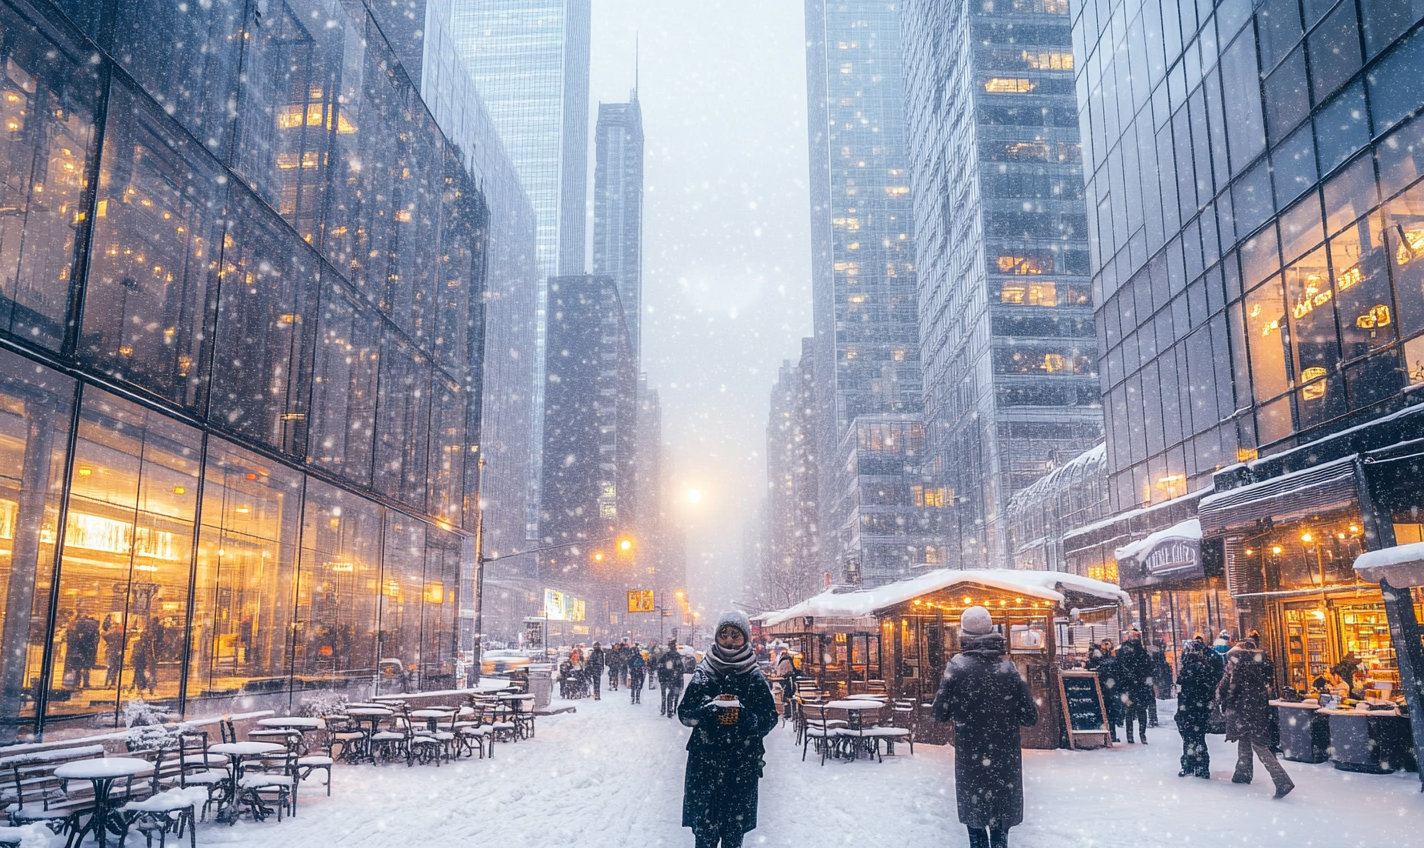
[637,668]
[670,678]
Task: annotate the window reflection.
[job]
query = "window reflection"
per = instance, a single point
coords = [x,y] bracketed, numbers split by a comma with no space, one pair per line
[48,98]
[1265,335]
[1359,265]
[344,386]
[404,415]
[1404,230]
[1310,296]
[264,332]
[127,543]
[154,256]
[247,554]
[35,405]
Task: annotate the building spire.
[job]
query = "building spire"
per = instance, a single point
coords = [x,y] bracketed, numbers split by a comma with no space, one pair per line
[635,65]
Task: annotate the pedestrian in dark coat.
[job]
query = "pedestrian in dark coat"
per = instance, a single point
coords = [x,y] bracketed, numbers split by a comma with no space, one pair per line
[1136,684]
[1197,677]
[1244,694]
[617,664]
[593,670]
[637,667]
[1111,679]
[729,707]
[86,645]
[670,677]
[988,700]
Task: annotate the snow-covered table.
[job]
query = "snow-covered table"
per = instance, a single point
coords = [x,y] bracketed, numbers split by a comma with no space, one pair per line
[102,773]
[236,752]
[856,710]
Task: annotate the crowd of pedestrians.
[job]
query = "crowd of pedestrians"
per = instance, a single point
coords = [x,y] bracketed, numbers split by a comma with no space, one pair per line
[658,666]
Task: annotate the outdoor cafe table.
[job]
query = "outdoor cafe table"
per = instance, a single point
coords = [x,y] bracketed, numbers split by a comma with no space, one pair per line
[432,716]
[854,707]
[368,716]
[237,752]
[102,772]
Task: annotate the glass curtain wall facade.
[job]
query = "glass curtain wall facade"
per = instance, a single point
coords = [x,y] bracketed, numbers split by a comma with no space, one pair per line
[1253,172]
[1005,306]
[863,273]
[242,322]
[618,206]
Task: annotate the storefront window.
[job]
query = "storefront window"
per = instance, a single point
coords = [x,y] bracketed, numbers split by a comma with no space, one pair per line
[48,96]
[128,544]
[447,452]
[339,585]
[35,409]
[439,606]
[154,257]
[247,556]
[1310,297]
[265,334]
[402,589]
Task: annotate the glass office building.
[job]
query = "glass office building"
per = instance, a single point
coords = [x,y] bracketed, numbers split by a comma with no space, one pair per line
[1256,218]
[241,330]
[1002,256]
[863,275]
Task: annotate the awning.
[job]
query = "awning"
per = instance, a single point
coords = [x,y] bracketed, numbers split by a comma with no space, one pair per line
[1163,557]
[1286,498]
[1402,565]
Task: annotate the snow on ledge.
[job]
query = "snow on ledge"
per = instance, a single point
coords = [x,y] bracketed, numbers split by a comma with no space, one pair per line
[1042,585]
[1402,565]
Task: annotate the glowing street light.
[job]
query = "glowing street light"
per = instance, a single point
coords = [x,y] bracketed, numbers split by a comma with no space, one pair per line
[694,496]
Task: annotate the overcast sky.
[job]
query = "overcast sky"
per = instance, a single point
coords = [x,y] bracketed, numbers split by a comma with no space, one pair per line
[726,247]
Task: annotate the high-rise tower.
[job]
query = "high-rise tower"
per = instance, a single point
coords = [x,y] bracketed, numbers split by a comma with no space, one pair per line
[618,205]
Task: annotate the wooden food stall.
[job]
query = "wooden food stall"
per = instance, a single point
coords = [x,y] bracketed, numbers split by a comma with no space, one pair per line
[906,632]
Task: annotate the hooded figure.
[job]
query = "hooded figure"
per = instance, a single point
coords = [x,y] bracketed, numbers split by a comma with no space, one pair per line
[724,753]
[988,700]
[1197,675]
[594,666]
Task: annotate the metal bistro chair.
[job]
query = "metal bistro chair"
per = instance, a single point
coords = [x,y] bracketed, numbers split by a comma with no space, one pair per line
[317,758]
[392,743]
[341,730]
[471,731]
[201,768]
[819,729]
[425,745]
[165,810]
[524,719]
[270,785]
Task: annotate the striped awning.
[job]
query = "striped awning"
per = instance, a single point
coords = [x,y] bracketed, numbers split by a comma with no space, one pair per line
[1286,498]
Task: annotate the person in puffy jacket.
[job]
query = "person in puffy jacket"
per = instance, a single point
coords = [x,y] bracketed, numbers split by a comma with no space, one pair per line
[1244,694]
[1197,677]
[637,668]
[597,661]
[988,701]
[1136,686]
[729,707]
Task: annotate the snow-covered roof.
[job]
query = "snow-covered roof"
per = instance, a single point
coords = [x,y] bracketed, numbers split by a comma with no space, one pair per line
[1187,531]
[1041,585]
[1402,565]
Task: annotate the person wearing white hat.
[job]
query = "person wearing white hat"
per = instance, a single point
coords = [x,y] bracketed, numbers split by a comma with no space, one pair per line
[988,700]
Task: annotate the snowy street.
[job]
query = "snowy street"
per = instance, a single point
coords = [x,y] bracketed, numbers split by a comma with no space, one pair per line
[611,775]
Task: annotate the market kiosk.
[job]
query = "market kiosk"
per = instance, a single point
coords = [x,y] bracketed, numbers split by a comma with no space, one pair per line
[908,631]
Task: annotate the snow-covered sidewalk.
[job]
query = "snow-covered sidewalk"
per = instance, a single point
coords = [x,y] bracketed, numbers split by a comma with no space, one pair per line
[611,775]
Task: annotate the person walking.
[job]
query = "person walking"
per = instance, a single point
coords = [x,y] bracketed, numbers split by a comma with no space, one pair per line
[655,658]
[637,667]
[1136,683]
[1197,678]
[730,710]
[988,701]
[145,658]
[113,639]
[786,671]
[670,678]
[1244,694]
[86,644]
[617,662]
[1110,679]
[593,670]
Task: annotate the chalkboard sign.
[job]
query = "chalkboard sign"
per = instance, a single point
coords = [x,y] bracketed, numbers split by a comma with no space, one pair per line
[1083,709]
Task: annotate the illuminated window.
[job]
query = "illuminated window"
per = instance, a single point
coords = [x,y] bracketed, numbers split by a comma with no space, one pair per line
[898,354]
[1052,362]
[1034,263]
[846,68]
[1050,61]
[1030,294]
[1009,85]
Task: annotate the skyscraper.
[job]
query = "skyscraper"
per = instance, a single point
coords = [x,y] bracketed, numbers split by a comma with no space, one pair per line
[863,277]
[1006,317]
[618,205]
[530,63]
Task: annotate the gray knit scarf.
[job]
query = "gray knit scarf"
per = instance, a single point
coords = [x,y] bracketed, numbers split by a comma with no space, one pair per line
[730,661]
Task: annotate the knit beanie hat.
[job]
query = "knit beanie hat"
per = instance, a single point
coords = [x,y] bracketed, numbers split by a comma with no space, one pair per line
[976,622]
[737,619]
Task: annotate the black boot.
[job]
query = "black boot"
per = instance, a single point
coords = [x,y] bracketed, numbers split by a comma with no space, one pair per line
[978,837]
[998,838]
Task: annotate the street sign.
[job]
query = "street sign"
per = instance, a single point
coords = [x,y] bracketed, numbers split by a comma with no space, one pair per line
[641,601]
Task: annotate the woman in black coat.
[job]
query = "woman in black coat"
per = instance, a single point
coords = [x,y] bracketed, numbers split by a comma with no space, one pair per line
[988,700]
[1197,676]
[724,753]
